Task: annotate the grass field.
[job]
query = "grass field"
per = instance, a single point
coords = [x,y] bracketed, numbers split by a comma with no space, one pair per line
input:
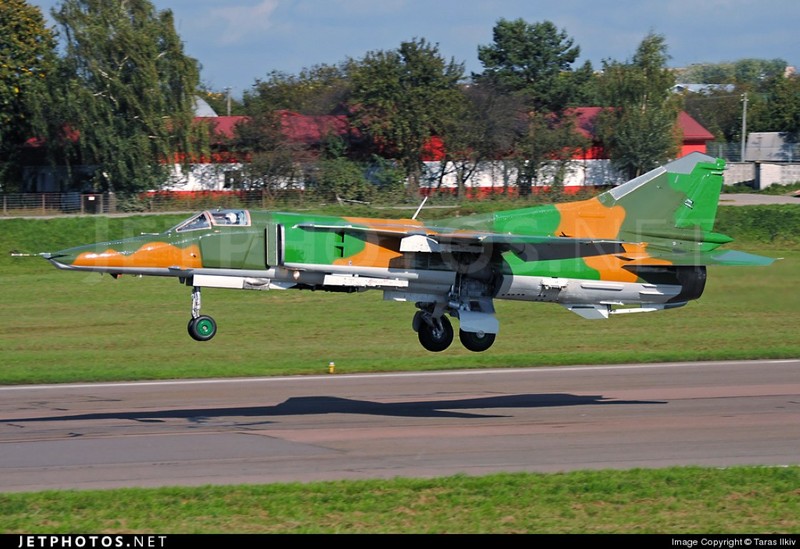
[739,500]
[65,327]
[62,326]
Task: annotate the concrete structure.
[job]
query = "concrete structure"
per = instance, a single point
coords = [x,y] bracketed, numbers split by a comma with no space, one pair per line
[761,175]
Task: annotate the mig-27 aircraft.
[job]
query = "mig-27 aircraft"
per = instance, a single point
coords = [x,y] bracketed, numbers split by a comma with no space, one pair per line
[641,246]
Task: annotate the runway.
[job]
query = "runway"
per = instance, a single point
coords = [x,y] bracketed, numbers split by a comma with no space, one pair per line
[473,422]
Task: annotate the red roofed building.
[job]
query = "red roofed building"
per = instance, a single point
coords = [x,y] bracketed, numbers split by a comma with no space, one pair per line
[695,136]
[590,166]
[313,130]
[222,127]
[211,172]
[218,170]
[300,128]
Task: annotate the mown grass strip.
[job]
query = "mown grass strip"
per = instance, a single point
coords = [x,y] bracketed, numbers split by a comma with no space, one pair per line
[749,500]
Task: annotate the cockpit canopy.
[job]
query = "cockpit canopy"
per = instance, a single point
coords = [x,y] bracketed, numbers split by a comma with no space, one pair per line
[214,218]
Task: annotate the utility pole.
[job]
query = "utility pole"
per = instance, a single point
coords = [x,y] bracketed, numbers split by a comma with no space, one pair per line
[228,99]
[744,124]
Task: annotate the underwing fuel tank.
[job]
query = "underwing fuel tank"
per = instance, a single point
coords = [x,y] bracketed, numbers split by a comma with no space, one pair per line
[657,285]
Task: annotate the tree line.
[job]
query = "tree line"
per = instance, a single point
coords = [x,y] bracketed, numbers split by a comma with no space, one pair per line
[108,96]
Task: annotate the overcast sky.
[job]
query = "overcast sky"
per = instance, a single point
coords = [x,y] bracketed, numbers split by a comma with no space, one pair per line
[240,41]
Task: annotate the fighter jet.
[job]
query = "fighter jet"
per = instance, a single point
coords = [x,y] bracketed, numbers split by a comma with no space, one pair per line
[642,246]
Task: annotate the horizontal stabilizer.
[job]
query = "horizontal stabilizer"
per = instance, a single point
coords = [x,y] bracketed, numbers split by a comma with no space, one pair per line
[734,257]
[731,258]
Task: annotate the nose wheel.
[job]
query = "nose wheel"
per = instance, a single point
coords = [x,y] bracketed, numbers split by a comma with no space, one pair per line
[201,327]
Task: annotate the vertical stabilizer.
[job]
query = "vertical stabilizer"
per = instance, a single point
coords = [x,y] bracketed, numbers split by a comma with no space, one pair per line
[681,196]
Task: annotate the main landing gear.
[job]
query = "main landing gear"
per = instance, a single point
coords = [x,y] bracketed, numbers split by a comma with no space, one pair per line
[201,327]
[436,334]
[476,341]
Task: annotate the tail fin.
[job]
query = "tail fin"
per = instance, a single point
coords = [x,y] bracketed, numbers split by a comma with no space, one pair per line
[673,208]
[679,199]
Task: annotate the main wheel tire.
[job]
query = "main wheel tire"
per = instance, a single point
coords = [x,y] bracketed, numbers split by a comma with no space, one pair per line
[436,340]
[476,341]
[202,328]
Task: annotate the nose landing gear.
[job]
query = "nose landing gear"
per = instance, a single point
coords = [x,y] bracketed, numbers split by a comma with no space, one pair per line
[201,327]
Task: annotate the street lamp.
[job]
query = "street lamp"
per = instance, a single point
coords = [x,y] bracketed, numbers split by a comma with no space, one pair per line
[744,123]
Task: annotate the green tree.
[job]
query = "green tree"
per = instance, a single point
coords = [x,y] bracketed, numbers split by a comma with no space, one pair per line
[273,163]
[758,72]
[706,73]
[128,90]
[780,109]
[483,128]
[544,150]
[534,61]
[321,89]
[719,111]
[403,97]
[342,180]
[749,72]
[638,127]
[27,57]
[534,64]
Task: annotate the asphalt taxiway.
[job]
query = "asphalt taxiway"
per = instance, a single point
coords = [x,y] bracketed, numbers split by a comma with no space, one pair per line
[474,422]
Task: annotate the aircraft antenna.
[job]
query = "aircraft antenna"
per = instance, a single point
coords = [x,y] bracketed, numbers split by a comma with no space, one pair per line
[420,208]
[15,253]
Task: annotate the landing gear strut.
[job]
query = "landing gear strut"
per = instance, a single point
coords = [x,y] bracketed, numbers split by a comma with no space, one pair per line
[201,327]
[470,301]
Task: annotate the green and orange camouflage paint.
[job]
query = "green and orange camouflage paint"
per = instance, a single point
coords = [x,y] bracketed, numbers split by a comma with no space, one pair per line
[642,246]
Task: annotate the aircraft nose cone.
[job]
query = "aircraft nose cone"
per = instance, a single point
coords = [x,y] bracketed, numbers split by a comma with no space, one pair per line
[64,259]
[92,255]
